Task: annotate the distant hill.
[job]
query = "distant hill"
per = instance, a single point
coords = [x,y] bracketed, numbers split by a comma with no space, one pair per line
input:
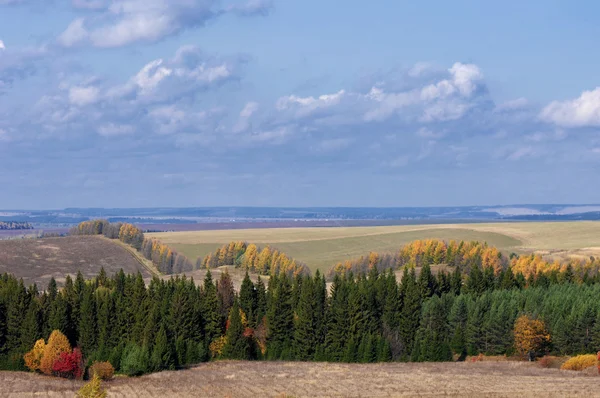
[38,260]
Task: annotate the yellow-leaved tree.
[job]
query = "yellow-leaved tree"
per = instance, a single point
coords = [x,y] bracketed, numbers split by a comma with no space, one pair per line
[57,343]
[531,336]
[34,357]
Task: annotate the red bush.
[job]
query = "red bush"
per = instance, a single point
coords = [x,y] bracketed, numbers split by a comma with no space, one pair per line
[69,365]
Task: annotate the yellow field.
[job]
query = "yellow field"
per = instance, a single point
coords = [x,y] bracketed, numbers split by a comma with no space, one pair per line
[321,248]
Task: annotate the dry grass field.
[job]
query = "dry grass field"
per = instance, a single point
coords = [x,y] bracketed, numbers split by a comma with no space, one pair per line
[302,379]
[38,260]
[320,248]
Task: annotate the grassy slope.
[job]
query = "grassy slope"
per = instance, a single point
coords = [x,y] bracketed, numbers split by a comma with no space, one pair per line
[320,248]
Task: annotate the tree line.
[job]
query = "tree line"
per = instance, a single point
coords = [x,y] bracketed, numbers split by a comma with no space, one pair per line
[466,255]
[162,256]
[369,317]
[14,225]
[263,261]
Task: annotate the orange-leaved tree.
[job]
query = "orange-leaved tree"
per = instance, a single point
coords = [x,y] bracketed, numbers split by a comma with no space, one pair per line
[531,336]
[57,344]
[34,357]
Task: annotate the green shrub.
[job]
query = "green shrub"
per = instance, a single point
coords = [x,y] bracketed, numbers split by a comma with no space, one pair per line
[135,360]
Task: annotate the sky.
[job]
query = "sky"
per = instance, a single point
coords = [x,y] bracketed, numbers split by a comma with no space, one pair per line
[147,103]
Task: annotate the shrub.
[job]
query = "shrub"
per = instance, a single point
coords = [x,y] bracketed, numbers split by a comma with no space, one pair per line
[57,343]
[135,360]
[546,361]
[69,365]
[34,357]
[92,389]
[104,370]
[580,362]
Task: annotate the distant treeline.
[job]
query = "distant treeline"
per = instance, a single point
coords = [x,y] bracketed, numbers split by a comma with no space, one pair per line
[466,255]
[14,225]
[162,256]
[265,261]
[364,318]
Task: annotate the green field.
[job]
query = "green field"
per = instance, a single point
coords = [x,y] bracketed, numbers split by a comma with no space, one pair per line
[321,248]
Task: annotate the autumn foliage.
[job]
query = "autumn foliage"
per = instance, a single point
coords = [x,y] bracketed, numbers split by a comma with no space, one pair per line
[104,370]
[69,365]
[34,357]
[56,357]
[580,362]
[531,336]
[265,261]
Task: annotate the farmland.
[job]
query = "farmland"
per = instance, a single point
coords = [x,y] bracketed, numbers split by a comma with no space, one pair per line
[320,248]
[38,260]
[303,379]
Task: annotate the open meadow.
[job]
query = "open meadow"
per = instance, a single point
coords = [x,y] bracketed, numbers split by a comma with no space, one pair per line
[321,248]
[304,379]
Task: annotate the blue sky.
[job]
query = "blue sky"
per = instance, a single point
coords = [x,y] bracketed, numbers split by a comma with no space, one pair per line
[140,103]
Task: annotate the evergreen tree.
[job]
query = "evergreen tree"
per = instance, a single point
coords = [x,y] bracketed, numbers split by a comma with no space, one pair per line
[238,345]
[162,353]
[248,299]
[411,310]
[87,322]
[305,323]
[210,310]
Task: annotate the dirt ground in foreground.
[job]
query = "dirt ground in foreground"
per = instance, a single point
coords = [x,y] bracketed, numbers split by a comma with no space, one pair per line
[302,379]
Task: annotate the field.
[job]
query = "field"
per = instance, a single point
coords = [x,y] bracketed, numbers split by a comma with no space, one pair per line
[38,260]
[303,379]
[321,248]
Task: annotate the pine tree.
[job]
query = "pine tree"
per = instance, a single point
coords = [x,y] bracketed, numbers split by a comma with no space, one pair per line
[30,329]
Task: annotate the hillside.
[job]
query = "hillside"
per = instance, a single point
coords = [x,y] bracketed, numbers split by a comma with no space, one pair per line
[38,260]
[321,248]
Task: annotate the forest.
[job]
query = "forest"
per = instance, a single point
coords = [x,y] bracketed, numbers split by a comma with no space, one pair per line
[366,317]
[14,225]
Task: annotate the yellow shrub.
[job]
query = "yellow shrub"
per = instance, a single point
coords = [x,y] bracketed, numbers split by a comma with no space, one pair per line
[216,347]
[34,357]
[57,343]
[580,362]
[92,389]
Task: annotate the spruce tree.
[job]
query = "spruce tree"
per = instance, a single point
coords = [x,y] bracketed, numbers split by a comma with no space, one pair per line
[238,345]
[162,354]
[305,329]
[280,320]
[87,322]
[210,310]
[411,310]
[248,299]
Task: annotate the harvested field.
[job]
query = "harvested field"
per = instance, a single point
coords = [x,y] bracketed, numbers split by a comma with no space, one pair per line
[302,379]
[38,260]
[321,248]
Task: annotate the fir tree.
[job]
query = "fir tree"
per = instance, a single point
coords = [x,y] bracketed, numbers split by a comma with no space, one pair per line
[238,345]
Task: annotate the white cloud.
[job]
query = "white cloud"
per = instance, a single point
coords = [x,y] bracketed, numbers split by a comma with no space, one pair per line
[74,34]
[243,123]
[333,145]
[151,75]
[4,135]
[111,129]
[124,22]
[2,46]
[583,111]
[82,96]
[309,103]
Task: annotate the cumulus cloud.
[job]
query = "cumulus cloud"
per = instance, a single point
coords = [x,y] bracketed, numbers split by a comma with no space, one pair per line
[583,111]
[2,46]
[449,98]
[124,22]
